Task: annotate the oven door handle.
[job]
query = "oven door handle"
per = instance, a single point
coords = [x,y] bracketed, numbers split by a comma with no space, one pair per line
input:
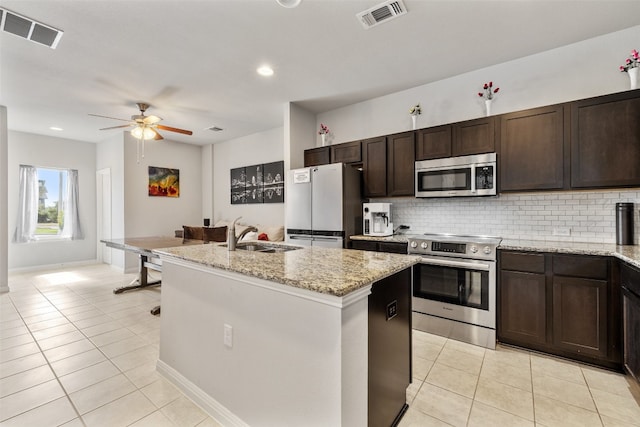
[456,264]
[473,179]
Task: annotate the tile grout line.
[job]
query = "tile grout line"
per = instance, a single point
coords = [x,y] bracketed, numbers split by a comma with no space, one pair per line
[48,364]
[121,372]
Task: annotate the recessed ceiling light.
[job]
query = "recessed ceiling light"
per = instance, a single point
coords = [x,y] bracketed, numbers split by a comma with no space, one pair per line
[265,70]
[55,128]
[288,3]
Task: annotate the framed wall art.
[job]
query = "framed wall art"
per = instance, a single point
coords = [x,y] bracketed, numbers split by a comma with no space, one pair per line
[262,183]
[164,182]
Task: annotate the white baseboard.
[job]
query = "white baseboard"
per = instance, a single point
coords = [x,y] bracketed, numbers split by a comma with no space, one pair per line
[53,266]
[207,403]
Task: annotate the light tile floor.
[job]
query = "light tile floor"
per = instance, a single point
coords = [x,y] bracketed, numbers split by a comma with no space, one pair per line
[457,384]
[72,353]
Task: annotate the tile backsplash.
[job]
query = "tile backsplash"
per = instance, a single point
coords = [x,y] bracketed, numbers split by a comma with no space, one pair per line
[587,216]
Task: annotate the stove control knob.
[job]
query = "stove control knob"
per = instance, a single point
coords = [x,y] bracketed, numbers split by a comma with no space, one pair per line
[414,244]
[424,245]
[473,249]
[487,250]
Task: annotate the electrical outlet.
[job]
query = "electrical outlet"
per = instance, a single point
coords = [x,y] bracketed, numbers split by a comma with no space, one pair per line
[228,335]
[562,231]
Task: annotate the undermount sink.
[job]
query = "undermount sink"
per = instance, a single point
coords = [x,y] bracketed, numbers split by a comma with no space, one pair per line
[254,247]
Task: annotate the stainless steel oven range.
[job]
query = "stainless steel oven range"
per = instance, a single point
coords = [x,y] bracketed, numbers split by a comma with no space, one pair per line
[454,287]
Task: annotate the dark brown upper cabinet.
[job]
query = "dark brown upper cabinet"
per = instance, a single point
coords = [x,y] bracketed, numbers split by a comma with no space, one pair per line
[374,166]
[401,164]
[317,156]
[605,141]
[434,143]
[348,152]
[474,137]
[458,139]
[533,146]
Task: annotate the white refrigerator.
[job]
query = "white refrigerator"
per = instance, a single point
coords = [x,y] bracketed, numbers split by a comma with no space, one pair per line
[323,205]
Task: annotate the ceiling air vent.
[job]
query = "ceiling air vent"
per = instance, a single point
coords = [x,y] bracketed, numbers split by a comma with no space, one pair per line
[381,13]
[29,29]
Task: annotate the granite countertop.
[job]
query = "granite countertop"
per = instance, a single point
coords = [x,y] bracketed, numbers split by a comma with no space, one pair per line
[329,271]
[629,253]
[397,238]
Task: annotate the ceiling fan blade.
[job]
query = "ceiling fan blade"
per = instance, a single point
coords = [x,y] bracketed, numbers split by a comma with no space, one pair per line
[107,117]
[158,137]
[151,120]
[116,127]
[170,129]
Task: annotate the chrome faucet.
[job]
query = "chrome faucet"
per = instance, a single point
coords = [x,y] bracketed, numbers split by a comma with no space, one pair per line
[232,240]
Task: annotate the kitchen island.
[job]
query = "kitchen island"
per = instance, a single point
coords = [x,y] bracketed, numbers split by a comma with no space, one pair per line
[286,338]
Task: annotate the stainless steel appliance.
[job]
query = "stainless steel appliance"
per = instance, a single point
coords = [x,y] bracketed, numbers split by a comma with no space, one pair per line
[457,176]
[454,287]
[323,205]
[377,219]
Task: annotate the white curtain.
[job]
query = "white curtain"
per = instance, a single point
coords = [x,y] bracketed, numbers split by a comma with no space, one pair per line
[71,228]
[27,205]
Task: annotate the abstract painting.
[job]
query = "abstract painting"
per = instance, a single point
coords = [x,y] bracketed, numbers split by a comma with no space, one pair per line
[164,182]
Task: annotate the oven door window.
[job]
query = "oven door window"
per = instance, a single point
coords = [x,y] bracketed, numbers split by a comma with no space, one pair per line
[452,285]
[445,180]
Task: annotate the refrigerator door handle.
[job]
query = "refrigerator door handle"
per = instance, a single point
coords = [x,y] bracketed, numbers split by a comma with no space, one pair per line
[328,239]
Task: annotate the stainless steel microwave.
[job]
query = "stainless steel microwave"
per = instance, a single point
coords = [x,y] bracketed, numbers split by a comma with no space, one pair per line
[457,176]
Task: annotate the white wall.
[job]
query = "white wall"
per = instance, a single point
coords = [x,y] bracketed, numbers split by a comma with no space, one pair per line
[300,133]
[263,147]
[45,151]
[581,70]
[4,212]
[161,216]
[207,182]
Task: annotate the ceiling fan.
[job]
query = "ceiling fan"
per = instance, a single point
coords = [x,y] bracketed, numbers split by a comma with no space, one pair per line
[146,127]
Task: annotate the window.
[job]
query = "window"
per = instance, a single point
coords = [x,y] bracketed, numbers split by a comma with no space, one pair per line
[47,205]
[51,186]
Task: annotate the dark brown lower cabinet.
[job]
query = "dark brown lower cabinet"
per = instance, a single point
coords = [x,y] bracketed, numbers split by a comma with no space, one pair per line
[567,305]
[580,315]
[523,322]
[630,280]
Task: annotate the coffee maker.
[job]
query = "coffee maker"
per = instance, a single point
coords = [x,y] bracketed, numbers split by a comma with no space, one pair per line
[377,219]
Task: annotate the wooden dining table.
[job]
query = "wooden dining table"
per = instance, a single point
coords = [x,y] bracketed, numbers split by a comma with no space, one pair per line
[143,247]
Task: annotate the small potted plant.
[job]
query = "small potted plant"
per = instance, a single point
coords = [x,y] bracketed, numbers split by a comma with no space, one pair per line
[487,94]
[414,112]
[324,130]
[631,65]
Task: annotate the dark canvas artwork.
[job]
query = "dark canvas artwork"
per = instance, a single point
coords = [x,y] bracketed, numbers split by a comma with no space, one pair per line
[255,187]
[274,182]
[238,184]
[258,184]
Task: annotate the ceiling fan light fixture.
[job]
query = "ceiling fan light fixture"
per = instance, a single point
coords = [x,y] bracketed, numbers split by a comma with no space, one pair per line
[143,132]
[265,71]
